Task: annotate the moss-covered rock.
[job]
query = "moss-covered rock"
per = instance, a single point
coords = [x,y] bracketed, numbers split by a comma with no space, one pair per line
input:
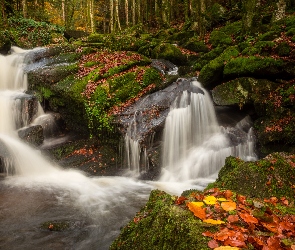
[273,176]
[169,52]
[212,72]
[219,38]
[253,66]
[196,46]
[161,224]
[244,90]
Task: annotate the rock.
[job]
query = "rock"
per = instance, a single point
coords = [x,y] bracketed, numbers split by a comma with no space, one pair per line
[32,135]
[5,45]
[169,52]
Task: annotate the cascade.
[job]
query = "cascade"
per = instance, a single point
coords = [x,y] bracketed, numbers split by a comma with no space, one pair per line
[194,145]
[35,190]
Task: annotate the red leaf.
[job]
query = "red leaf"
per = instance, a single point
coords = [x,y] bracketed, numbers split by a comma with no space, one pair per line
[180,200]
[248,218]
[241,199]
[213,244]
[227,194]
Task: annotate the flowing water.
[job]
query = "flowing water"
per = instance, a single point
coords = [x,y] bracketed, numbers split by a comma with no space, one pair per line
[34,190]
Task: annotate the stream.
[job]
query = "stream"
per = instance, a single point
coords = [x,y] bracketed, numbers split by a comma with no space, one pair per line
[95,208]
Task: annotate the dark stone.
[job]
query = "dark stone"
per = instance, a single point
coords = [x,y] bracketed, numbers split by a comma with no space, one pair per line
[32,135]
[68,34]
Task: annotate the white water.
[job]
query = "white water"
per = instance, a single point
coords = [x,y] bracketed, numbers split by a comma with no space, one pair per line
[109,202]
[195,146]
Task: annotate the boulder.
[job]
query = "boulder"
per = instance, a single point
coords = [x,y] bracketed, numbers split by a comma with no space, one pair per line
[32,135]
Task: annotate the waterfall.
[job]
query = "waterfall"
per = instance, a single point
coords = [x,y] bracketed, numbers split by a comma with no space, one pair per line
[195,146]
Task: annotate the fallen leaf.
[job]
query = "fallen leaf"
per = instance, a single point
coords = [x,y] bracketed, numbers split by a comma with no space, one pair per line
[222,199]
[210,200]
[215,222]
[273,227]
[198,211]
[180,200]
[229,205]
[213,244]
[208,234]
[248,218]
[226,248]
[227,194]
[233,218]
[234,243]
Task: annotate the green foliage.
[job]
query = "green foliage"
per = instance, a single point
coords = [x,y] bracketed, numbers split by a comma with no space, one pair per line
[27,33]
[283,49]
[150,76]
[219,38]
[169,52]
[212,72]
[269,36]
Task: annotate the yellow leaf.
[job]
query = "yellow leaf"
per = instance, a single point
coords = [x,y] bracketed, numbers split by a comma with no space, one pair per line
[226,248]
[222,199]
[210,200]
[215,222]
[229,206]
[198,203]
[197,210]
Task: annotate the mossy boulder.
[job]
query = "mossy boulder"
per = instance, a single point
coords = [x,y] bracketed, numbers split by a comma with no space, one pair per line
[169,52]
[244,90]
[205,58]
[212,72]
[161,224]
[255,66]
[196,46]
[219,38]
[273,176]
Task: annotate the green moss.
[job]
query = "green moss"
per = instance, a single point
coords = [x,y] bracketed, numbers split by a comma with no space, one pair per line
[252,66]
[264,48]
[206,58]
[162,225]
[232,29]
[283,49]
[272,176]
[196,46]
[219,38]
[269,36]
[169,52]
[212,72]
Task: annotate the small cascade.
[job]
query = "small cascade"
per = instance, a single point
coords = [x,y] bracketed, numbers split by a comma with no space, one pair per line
[195,146]
[135,156]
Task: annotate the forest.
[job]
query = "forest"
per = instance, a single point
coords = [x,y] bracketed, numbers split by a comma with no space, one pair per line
[105,64]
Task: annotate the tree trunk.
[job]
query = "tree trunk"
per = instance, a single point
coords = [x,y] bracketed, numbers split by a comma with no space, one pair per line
[63,12]
[111,16]
[117,14]
[25,8]
[133,12]
[91,15]
[127,12]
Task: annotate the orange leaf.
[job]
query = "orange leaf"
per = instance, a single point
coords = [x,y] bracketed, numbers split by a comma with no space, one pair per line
[241,199]
[208,234]
[233,218]
[226,248]
[234,243]
[229,206]
[248,218]
[227,194]
[270,226]
[198,211]
[224,234]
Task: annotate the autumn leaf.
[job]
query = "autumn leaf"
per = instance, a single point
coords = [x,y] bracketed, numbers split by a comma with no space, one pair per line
[213,244]
[222,199]
[233,218]
[197,210]
[248,218]
[227,194]
[180,200]
[234,243]
[215,222]
[229,206]
[210,200]
[226,248]
[208,234]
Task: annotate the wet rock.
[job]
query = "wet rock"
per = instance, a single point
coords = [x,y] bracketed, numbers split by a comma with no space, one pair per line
[32,135]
